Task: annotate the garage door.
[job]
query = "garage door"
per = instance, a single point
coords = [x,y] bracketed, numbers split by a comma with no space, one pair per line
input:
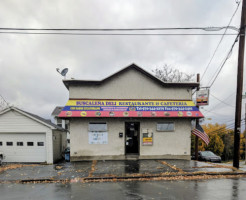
[23,147]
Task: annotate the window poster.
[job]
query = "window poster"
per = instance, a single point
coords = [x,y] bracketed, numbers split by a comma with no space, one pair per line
[98,137]
[147,138]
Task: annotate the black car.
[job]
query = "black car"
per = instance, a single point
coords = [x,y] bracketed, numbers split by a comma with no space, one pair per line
[208,156]
[1,157]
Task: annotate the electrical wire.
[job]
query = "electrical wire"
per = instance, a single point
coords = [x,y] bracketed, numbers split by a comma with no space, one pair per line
[212,112]
[226,127]
[218,103]
[232,120]
[223,63]
[123,29]
[221,101]
[114,34]
[4,99]
[238,3]
[2,106]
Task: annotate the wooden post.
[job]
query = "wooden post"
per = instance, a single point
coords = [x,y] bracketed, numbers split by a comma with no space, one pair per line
[237,129]
[197,122]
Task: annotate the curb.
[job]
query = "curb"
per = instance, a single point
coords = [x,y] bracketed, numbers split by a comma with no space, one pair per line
[168,175]
[130,178]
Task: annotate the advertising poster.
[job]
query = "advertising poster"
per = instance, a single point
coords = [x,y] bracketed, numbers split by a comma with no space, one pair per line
[148,139]
[202,97]
[130,108]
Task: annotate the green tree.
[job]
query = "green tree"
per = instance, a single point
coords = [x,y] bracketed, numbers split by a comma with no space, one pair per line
[242,146]
[215,145]
[228,140]
[221,141]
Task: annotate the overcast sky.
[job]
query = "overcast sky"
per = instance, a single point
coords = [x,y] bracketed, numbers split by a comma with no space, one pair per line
[28,77]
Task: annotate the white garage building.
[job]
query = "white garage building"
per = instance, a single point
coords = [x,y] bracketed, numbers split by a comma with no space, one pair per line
[25,137]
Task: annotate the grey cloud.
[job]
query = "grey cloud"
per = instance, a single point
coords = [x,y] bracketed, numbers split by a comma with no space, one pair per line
[28,62]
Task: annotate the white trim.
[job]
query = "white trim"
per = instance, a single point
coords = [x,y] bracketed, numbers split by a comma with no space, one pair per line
[5,110]
[29,116]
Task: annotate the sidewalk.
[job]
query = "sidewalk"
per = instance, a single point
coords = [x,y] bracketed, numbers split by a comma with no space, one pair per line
[95,170]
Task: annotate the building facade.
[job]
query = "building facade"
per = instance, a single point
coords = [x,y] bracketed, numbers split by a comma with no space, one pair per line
[129,114]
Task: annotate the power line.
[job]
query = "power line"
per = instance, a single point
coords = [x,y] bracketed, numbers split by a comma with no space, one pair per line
[227,126]
[212,112]
[123,29]
[223,63]
[225,130]
[220,41]
[226,121]
[115,34]
[221,101]
[206,111]
[4,99]
[3,103]
[209,111]
[224,100]
[232,120]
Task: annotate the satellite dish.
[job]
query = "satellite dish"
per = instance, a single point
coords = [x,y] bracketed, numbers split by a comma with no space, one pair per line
[63,72]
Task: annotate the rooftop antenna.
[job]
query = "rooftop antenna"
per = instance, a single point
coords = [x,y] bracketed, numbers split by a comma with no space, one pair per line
[63,72]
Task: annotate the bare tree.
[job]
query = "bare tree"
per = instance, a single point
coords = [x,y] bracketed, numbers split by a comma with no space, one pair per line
[3,103]
[170,74]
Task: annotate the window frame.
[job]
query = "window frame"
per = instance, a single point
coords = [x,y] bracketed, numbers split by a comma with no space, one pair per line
[169,122]
[10,144]
[30,145]
[17,144]
[103,130]
[59,122]
[40,145]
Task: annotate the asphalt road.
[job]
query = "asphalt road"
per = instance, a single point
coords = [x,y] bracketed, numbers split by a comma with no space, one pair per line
[232,189]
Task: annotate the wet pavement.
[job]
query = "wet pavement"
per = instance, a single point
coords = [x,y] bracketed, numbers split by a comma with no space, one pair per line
[219,189]
[128,167]
[29,172]
[97,169]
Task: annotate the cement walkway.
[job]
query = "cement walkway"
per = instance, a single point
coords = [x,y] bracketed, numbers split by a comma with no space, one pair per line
[95,170]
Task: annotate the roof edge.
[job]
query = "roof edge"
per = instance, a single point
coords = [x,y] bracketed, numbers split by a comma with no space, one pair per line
[53,127]
[69,82]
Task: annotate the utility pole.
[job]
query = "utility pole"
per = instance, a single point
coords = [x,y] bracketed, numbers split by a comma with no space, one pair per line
[197,121]
[237,129]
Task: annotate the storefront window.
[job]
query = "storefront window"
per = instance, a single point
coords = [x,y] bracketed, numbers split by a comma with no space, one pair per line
[165,126]
[98,127]
[98,133]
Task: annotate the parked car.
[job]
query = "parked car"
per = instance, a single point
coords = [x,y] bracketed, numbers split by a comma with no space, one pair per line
[208,156]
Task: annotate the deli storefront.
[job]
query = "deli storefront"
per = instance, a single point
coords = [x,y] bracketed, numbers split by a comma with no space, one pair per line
[109,129]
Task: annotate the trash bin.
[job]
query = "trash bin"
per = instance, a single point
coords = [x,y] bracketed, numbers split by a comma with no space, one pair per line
[67,154]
